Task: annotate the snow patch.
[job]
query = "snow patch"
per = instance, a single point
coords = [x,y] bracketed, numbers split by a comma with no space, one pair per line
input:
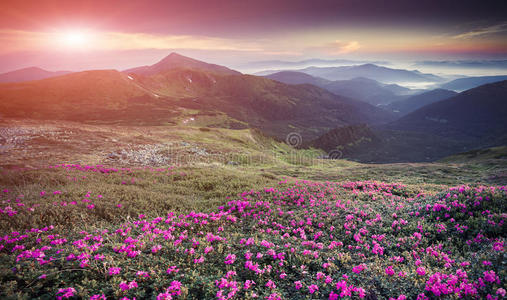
[188,120]
[130,77]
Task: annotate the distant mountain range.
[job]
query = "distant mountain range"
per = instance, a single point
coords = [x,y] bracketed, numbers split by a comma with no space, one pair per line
[461,64]
[270,64]
[28,74]
[369,90]
[364,89]
[370,71]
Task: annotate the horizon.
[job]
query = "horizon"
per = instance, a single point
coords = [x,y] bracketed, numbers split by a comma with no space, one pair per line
[444,68]
[50,34]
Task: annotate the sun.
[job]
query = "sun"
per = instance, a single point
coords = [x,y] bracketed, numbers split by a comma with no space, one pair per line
[74,38]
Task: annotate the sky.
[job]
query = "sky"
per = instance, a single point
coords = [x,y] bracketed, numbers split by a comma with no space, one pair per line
[79,35]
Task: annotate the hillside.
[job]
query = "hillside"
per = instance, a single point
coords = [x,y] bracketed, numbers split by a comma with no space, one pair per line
[468,121]
[28,74]
[476,113]
[91,95]
[345,139]
[478,155]
[272,106]
[415,102]
[379,145]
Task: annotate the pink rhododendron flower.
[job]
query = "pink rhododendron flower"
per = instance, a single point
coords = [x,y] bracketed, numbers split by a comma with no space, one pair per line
[312,288]
[114,270]
[270,284]
[230,259]
[65,293]
[501,292]
[298,284]
[389,271]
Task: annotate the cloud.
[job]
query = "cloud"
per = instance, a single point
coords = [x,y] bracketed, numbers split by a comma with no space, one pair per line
[16,40]
[348,47]
[117,40]
[283,53]
[338,47]
[472,64]
[482,31]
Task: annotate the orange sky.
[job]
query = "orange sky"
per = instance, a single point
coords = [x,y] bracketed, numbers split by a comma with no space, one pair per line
[122,34]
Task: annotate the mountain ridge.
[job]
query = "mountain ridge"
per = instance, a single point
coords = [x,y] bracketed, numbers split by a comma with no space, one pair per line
[29,74]
[369,70]
[360,88]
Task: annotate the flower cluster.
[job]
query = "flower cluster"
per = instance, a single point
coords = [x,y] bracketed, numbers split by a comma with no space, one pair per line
[299,240]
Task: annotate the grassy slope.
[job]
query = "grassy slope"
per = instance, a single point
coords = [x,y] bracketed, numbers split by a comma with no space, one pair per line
[204,183]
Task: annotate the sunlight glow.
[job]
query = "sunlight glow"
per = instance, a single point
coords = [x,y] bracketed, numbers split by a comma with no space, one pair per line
[75,38]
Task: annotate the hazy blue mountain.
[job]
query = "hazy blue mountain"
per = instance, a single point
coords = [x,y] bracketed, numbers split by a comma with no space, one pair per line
[415,102]
[463,84]
[363,89]
[371,71]
[282,64]
[177,61]
[368,90]
[28,74]
[293,77]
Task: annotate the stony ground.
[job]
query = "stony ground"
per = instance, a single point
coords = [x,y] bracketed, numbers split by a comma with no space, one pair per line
[28,143]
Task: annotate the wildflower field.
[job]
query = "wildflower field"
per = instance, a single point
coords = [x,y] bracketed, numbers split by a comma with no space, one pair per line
[93,232]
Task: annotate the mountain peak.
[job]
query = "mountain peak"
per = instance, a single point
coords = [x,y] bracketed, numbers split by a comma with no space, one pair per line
[174,55]
[177,61]
[370,65]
